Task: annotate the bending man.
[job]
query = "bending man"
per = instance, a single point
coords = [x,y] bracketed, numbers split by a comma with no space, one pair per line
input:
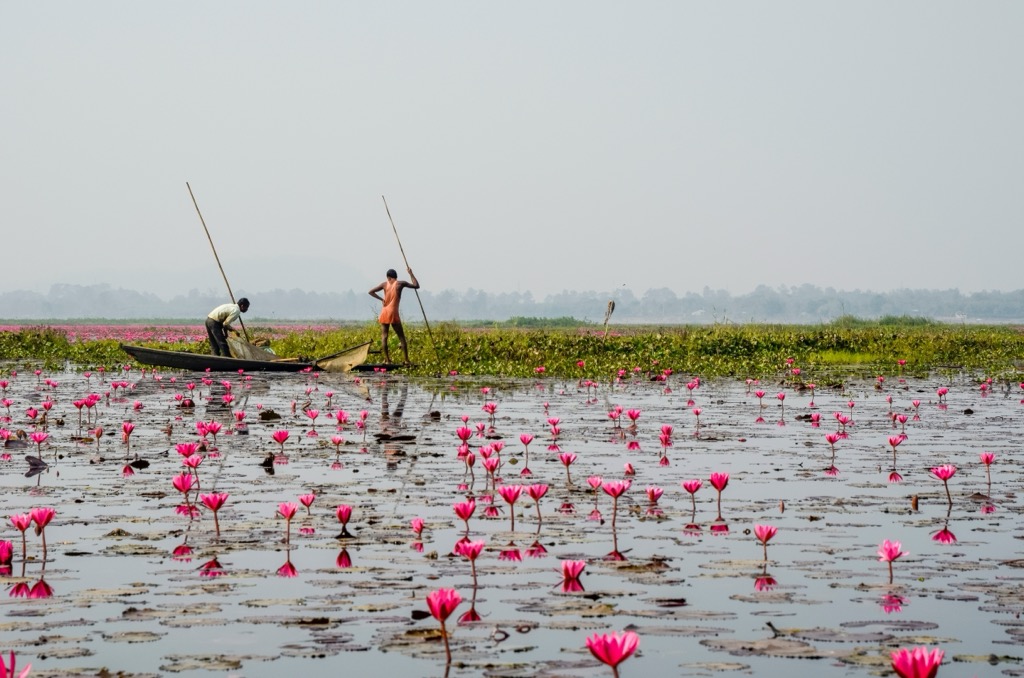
[392,288]
[220,322]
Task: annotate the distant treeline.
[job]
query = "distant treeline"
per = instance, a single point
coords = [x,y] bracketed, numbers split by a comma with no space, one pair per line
[805,304]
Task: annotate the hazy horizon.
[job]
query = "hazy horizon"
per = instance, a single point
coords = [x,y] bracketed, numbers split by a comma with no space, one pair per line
[804,304]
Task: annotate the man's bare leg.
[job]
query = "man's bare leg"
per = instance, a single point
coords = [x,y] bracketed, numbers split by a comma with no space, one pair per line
[401,340]
[384,341]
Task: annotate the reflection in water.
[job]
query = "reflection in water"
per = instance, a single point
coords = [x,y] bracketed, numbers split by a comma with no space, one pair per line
[41,590]
[571,571]
[892,603]
[765,582]
[182,553]
[391,420]
[536,550]
[20,590]
[945,536]
[511,553]
[393,578]
[211,568]
[287,570]
[391,423]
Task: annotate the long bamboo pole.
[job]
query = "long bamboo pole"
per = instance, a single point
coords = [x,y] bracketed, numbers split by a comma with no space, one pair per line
[245,333]
[406,260]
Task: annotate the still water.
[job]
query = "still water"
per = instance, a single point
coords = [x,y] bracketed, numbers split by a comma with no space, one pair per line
[132,584]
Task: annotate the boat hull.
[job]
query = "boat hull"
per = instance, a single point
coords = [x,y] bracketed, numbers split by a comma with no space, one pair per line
[199,362]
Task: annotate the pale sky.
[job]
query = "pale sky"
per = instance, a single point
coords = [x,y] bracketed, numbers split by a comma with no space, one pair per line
[526,146]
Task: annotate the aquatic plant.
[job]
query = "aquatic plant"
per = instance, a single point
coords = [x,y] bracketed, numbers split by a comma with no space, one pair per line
[918,662]
[944,473]
[441,604]
[890,551]
[613,648]
[764,534]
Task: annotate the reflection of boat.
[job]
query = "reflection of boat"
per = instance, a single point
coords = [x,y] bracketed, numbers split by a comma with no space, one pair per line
[251,359]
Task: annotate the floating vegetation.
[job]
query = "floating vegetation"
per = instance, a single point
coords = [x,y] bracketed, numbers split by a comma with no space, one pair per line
[252,544]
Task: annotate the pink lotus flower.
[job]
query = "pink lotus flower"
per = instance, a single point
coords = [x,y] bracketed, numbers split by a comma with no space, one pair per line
[10,670]
[692,486]
[417,526]
[287,509]
[183,482]
[511,493]
[613,648]
[464,510]
[567,458]
[536,493]
[918,662]
[214,502]
[572,569]
[39,437]
[470,549]
[344,514]
[307,501]
[279,437]
[615,489]
[944,473]
[764,534]
[441,604]
[42,517]
[889,551]
[719,482]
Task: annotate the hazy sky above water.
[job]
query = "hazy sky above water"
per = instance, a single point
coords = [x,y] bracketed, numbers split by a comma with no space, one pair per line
[528,146]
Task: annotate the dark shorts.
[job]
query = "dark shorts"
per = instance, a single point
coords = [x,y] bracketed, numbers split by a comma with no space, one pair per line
[218,338]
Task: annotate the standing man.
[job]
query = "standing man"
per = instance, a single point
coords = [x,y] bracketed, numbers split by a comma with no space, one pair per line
[392,288]
[219,323]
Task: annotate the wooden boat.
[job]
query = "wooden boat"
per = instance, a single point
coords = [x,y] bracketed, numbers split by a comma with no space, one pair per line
[251,359]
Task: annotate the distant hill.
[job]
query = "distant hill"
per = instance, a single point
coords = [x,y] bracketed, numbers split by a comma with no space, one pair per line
[805,304]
